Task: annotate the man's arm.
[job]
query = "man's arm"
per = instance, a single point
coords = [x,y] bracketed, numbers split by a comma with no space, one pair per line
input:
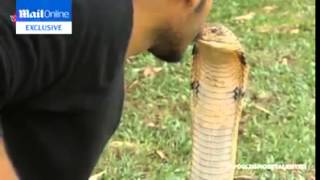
[6,170]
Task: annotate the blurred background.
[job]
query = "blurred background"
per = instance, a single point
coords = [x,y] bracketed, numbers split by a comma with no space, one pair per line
[153,141]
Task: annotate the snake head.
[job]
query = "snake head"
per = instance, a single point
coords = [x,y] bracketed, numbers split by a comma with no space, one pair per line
[219,44]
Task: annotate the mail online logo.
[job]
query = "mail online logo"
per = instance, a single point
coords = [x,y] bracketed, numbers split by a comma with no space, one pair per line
[43,17]
[42,14]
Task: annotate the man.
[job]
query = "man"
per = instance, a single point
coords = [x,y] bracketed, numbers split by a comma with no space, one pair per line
[61,96]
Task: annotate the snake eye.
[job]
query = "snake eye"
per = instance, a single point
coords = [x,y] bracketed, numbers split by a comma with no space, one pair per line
[218,31]
[214,30]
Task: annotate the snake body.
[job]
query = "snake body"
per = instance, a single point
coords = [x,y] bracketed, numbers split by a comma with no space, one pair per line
[219,78]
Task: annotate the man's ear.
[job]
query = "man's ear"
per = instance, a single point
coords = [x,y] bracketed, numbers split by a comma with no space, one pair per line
[197,5]
[188,3]
[191,2]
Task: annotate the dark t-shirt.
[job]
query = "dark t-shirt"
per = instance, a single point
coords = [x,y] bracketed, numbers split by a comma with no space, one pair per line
[61,95]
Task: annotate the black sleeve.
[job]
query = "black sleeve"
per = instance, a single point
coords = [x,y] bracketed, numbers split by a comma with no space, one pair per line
[5,28]
[3,78]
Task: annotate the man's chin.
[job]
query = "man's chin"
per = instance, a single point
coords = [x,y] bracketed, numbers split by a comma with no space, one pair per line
[172,57]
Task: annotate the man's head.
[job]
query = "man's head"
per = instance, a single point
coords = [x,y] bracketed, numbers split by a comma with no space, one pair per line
[168,26]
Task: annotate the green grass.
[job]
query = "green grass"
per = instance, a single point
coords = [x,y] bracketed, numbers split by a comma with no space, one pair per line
[153,141]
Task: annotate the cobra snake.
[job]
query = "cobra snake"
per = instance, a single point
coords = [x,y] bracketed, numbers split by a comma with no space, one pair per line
[219,80]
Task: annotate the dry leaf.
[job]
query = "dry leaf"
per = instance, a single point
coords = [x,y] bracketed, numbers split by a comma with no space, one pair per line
[151,71]
[130,59]
[287,60]
[264,29]
[155,126]
[284,61]
[123,144]
[161,155]
[269,9]
[98,176]
[278,29]
[244,177]
[260,108]
[264,95]
[294,31]
[152,125]
[133,84]
[245,17]
[312,177]
[288,29]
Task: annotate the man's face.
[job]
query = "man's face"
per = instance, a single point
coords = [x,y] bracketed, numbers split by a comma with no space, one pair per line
[184,22]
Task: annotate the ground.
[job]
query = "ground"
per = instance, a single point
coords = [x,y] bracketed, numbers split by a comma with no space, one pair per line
[153,141]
